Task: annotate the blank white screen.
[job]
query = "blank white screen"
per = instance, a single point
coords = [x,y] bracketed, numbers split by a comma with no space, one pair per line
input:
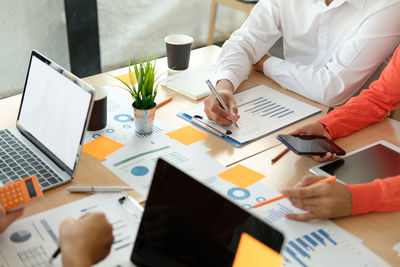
[54,111]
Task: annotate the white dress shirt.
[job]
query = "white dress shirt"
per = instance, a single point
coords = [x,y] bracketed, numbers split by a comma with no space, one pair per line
[329,51]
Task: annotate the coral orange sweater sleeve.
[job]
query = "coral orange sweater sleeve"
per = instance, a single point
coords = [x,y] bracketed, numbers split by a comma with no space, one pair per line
[372,105]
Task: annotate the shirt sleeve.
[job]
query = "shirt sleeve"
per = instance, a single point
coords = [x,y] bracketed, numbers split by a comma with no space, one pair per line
[249,43]
[372,105]
[350,65]
[381,195]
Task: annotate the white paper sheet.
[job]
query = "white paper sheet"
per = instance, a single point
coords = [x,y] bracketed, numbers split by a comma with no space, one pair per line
[262,111]
[31,241]
[135,165]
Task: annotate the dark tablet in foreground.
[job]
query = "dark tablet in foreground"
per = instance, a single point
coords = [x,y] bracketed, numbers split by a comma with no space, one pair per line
[186,223]
[379,160]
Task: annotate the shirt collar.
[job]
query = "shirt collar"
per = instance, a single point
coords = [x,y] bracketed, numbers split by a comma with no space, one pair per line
[359,4]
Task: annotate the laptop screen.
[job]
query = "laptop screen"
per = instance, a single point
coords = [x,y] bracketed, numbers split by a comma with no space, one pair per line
[187,224]
[54,109]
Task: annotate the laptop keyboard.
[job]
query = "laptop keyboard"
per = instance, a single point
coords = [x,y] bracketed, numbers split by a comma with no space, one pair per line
[17,161]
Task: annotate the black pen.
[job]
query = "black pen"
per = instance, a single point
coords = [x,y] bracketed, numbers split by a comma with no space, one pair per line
[55,254]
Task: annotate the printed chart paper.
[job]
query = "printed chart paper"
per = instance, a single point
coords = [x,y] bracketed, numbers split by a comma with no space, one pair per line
[262,111]
[136,165]
[31,241]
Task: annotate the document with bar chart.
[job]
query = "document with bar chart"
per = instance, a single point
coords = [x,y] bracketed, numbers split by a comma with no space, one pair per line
[262,111]
[327,245]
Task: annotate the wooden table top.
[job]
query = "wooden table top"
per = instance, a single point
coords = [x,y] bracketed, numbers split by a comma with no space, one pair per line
[379,231]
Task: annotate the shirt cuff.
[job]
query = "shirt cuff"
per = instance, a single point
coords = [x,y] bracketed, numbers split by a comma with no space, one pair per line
[363,197]
[229,76]
[270,65]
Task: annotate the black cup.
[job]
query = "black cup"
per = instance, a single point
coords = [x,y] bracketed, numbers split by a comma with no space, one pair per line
[178,51]
[98,118]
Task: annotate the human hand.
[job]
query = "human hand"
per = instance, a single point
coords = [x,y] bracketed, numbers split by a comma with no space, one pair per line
[322,201]
[85,241]
[315,128]
[7,218]
[259,66]
[213,108]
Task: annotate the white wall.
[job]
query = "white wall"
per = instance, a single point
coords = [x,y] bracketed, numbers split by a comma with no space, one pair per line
[27,25]
[127,29]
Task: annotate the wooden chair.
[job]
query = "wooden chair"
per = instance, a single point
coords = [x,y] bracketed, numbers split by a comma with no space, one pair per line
[235,4]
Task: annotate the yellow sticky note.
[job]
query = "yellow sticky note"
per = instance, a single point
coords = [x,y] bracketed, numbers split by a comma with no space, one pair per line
[187,135]
[101,147]
[241,176]
[252,252]
[126,79]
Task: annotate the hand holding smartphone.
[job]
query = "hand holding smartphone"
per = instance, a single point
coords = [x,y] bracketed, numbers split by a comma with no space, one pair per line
[310,144]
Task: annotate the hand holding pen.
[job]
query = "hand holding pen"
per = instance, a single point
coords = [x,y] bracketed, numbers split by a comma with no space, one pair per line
[220,106]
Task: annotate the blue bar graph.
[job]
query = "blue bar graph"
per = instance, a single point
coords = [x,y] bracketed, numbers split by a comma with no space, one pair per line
[303,244]
[310,240]
[318,238]
[294,256]
[325,234]
[299,250]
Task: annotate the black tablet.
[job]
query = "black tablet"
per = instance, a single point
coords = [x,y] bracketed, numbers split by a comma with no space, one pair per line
[378,160]
[185,223]
[310,144]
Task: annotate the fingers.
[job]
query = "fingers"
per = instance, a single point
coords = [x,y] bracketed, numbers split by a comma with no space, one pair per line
[327,157]
[215,112]
[309,179]
[301,216]
[8,218]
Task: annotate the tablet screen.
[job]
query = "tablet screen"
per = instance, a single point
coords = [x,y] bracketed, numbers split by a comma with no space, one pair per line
[186,223]
[378,161]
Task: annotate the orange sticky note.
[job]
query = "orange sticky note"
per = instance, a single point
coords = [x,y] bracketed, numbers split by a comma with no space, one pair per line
[101,147]
[187,135]
[241,176]
[252,252]
[126,79]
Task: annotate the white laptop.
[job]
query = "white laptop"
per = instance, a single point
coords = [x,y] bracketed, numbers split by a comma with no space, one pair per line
[48,134]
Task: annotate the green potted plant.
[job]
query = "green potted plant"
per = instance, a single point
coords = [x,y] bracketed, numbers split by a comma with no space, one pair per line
[143,94]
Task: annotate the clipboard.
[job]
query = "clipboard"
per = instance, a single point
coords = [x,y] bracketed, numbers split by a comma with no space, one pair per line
[263,111]
[226,138]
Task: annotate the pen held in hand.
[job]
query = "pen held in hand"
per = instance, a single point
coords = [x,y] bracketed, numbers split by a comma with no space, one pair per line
[280,155]
[55,254]
[326,180]
[214,91]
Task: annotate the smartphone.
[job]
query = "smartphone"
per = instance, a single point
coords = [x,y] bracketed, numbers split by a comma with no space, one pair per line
[310,144]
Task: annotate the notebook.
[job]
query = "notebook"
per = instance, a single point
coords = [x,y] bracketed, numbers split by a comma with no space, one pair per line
[262,111]
[191,82]
[48,134]
[185,223]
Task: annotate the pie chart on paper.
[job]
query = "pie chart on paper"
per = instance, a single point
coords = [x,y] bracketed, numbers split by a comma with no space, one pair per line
[139,171]
[20,236]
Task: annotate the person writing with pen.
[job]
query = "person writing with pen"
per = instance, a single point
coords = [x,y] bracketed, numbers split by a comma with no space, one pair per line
[83,242]
[331,48]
